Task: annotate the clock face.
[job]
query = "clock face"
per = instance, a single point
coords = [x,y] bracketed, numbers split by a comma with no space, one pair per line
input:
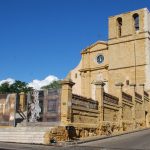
[100,59]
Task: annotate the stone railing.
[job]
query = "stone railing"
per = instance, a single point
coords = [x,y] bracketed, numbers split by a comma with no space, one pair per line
[146,96]
[138,96]
[84,102]
[110,98]
[107,114]
[84,111]
[126,97]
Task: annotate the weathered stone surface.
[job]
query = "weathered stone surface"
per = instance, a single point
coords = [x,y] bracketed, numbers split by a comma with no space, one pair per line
[36,135]
[102,96]
[126,60]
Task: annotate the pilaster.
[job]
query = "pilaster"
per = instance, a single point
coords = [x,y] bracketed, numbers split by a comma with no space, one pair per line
[133,90]
[120,114]
[66,98]
[22,101]
[99,95]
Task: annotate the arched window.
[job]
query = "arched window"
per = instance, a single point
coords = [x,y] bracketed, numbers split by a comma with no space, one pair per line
[136,21]
[119,24]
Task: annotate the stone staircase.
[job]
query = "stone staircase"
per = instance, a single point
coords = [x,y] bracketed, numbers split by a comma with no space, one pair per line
[37,135]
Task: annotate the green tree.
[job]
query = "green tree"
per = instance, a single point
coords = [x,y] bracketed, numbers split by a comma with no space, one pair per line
[53,85]
[16,87]
[19,86]
[4,88]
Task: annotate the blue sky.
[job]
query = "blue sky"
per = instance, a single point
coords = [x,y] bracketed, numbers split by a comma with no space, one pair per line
[45,37]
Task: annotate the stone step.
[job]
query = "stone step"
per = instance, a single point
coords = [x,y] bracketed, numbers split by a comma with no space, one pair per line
[25,129]
[24,134]
[30,141]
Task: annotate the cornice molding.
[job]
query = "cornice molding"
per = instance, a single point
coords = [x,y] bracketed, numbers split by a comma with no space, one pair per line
[94,69]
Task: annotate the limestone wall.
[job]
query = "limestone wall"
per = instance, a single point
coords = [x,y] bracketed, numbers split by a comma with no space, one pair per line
[129,52]
[75,76]
[84,112]
[89,70]
[110,115]
[111,107]
[127,112]
[139,116]
[127,23]
[147,19]
[126,57]
[107,113]
[127,109]
[126,60]
[147,49]
[138,111]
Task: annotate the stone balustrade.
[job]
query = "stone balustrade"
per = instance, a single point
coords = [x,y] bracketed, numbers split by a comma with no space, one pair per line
[110,98]
[84,102]
[126,97]
[138,96]
[146,96]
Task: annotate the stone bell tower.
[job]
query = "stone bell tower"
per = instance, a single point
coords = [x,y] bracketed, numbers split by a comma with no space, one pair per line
[129,49]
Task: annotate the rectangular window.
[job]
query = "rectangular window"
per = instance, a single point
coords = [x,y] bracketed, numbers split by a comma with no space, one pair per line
[52,105]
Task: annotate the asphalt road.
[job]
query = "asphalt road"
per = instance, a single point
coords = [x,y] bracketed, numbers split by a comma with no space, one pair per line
[137,140]
[16,146]
[133,141]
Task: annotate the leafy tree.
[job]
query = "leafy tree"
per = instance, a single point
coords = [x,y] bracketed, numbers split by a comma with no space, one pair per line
[5,88]
[19,87]
[16,87]
[53,85]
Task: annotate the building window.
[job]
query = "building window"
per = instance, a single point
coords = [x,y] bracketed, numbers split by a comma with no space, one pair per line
[119,25]
[52,105]
[136,22]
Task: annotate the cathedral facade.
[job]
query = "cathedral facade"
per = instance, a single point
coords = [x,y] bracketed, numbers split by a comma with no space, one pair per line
[108,92]
[124,58]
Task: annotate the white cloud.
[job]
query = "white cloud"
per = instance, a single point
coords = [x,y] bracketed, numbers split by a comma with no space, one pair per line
[37,84]
[9,80]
